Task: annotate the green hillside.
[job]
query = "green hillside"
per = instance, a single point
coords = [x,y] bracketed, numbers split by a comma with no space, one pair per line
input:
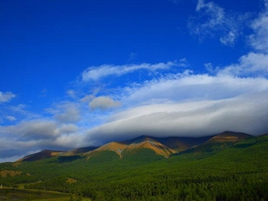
[210,171]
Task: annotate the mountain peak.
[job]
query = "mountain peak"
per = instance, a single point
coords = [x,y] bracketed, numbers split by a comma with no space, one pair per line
[149,143]
[134,145]
[116,147]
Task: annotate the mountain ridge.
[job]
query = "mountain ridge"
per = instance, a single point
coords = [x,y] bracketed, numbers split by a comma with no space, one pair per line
[164,146]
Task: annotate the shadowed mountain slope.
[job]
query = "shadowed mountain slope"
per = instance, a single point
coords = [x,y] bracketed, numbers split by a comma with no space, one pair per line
[218,142]
[229,136]
[41,155]
[79,151]
[182,143]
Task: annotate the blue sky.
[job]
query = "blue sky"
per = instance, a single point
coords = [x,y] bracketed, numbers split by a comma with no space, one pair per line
[82,73]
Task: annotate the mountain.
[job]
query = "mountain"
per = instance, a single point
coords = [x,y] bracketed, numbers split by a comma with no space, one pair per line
[164,147]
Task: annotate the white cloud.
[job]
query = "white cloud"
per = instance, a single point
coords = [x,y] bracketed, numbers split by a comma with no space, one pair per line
[192,87]
[103,103]
[6,96]
[35,129]
[36,135]
[72,140]
[95,73]
[189,105]
[67,128]
[254,64]
[243,113]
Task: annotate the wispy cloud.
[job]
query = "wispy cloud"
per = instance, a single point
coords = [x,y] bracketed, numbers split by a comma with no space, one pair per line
[187,87]
[31,130]
[11,118]
[72,93]
[213,21]
[66,112]
[14,113]
[259,39]
[95,73]
[6,96]
[229,38]
[255,63]
[43,93]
